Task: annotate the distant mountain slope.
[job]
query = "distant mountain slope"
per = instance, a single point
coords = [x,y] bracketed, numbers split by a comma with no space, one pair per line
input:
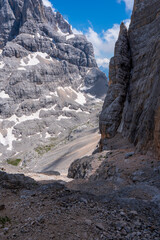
[49,79]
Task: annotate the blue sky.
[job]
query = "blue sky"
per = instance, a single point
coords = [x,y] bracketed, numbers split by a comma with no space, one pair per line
[98,20]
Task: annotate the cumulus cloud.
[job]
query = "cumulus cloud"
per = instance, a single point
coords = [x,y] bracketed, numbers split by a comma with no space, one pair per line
[129,4]
[47,3]
[103,62]
[104,43]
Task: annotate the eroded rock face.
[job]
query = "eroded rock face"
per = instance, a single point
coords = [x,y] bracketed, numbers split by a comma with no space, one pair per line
[47,74]
[119,72]
[140,118]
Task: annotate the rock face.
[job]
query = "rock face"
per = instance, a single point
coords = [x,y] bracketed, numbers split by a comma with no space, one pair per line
[132,105]
[49,78]
[119,78]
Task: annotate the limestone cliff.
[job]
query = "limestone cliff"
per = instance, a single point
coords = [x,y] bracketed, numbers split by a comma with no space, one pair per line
[132,105]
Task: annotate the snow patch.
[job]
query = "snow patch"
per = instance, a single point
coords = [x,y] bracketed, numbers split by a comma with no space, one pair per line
[80,98]
[39,36]
[79,110]
[60,31]
[94,98]
[54,94]
[4,95]
[48,97]
[48,135]
[67,109]
[63,117]
[32,59]
[2,64]
[22,69]
[70,36]
[85,88]
[8,140]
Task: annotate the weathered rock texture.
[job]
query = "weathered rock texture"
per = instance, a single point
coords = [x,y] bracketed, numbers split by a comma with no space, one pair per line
[49,78]
[132,105]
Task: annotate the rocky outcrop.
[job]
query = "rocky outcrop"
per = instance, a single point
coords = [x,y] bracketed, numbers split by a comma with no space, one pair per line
[16,181]
[49,79]
[119,73]
[137,118]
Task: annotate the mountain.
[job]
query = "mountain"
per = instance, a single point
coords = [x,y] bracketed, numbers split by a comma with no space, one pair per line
[132,104]
[114,194]
[49,79]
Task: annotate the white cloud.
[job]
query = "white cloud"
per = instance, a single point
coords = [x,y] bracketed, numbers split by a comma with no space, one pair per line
[104,43]
[103,62]
[127,22]
[129,4]
[47,3]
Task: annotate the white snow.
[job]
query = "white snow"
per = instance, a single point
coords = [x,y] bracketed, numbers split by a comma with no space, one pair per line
[67,109]
[61,88]
[80,98]
[63,117]
[2,64]
[33,59]
[70,36]
[22,69]
[8,140]
[39,36]
[85,88]
[50,39]
[30,35]
[43,37]
[79,110]
[4,95]
[94,98]
[48,135]
[54,93]
[60,31]
[49,97]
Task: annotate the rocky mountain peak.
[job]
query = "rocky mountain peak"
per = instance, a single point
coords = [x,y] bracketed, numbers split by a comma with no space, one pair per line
[49,79]
[133,99]
[28,16]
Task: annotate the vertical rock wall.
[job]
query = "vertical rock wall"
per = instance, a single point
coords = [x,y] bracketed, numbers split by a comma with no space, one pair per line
[119,73]
[140,120]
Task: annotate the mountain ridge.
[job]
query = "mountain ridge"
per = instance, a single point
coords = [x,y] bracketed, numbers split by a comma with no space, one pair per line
[49,79]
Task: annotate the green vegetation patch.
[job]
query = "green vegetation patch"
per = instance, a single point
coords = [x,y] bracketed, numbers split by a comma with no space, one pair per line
[14,162]
[46,148]
[4,220]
